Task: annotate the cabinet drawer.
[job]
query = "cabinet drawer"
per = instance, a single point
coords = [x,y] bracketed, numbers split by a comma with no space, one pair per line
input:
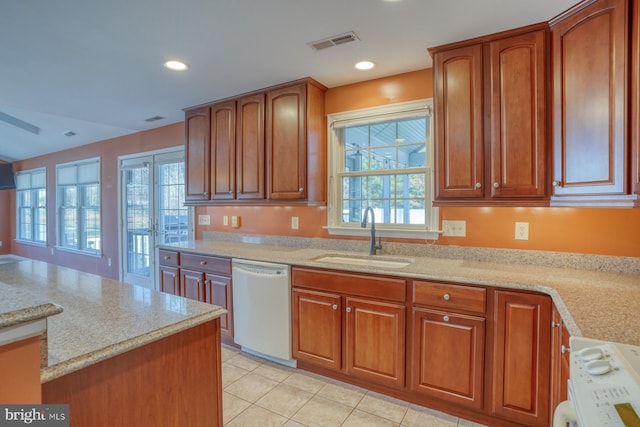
[169,258]
[450,297]
[206,263]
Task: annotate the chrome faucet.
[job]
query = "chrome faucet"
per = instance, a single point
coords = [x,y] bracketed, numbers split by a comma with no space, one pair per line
[373,247]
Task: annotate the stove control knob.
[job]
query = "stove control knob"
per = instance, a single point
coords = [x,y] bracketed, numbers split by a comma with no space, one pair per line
[590,353]
[598,367]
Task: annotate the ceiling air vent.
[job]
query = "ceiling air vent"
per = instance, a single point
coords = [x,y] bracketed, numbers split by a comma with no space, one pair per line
[69,133]
[154,118]
[334,41]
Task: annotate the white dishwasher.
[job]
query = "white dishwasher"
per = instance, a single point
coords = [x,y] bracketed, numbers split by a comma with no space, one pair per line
[262,309]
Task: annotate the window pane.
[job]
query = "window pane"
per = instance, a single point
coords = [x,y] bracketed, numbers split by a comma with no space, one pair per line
[69,229]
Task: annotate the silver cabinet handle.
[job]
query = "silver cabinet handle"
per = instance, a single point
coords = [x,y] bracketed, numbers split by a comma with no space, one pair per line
[445,318]
[167,257]
[555,324]
[446,297]
[334,306]
[203,262]
[556,183]
[300,190]
[478,185]
[564,349]
[496,185]
[348,309]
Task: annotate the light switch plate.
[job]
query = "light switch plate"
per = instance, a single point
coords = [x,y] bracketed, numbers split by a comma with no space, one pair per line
[454,228]
[522,231]
[204,219]
[294,223]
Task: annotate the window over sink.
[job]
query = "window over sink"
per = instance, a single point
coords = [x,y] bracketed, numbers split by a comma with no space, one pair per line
[382,157]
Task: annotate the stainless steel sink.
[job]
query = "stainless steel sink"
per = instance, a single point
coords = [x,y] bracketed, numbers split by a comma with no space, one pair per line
[366,261]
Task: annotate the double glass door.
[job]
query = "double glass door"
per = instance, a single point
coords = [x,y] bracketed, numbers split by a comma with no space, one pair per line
[153,212]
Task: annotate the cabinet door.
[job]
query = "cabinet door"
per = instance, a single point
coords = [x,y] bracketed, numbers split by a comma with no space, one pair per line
[559,360]
[223,150]
[169,280]
[589,99]
[217,290]
[522,359]
[317,328]
[517,102]
[197,135]
[286,142]
[375,341]
[448,356]
[192,284]
[250,147]
[459,122]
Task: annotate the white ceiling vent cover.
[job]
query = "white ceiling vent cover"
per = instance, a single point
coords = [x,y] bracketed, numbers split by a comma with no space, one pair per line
[334,41]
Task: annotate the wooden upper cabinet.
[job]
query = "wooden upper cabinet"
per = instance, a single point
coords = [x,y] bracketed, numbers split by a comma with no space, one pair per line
[490,112]
[223,150]
[250,147]
[590,67]
[263,147]
[459,122]
[197,136]
[517,104]
[635,99]
[286,143]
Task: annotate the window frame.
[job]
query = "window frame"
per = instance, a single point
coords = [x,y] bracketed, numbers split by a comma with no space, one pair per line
[335,160]
[81,188]
[33,206]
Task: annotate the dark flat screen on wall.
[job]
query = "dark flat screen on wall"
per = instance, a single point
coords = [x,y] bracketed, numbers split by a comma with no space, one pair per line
[7,177]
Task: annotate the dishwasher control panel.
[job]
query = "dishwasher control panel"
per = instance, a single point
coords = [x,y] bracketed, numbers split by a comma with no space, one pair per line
[604,383]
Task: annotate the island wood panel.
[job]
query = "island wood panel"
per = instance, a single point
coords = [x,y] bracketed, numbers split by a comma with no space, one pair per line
[20,372]
[175,381]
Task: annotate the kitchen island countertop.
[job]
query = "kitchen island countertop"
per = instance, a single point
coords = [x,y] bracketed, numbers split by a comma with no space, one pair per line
[98,318]
[594,304]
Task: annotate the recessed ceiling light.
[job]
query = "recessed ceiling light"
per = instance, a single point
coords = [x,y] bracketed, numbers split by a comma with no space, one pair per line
[365,65]
[176,65]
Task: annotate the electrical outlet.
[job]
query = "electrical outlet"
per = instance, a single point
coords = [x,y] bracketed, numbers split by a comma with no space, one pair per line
[454,228]
[225,220]
[522,231]
[235,221]
[294,223]
[204,219]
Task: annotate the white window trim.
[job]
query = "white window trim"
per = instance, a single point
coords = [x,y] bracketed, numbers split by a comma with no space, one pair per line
[429,231]
[30,172]
[77,163]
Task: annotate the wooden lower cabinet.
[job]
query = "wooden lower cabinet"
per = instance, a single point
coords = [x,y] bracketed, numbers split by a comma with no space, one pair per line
[353,324]
[448,356]
[217,290]
[375,341]
[317,335]
[522,357]
[169,280]
[202,278]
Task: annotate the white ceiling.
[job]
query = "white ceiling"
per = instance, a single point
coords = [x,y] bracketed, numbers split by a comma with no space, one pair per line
[95,67]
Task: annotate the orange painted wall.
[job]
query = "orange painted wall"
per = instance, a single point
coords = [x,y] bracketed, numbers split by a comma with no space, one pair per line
[594,231]
[586,230]
[20,372]
[108,150]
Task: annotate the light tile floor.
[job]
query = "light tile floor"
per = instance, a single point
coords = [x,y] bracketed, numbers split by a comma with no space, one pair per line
[260,393]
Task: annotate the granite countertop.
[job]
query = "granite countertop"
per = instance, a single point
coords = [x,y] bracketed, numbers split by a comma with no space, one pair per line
[594,304]
[100,318]
[18,307]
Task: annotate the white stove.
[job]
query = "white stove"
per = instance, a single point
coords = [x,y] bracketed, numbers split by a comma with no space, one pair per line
[604,385]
